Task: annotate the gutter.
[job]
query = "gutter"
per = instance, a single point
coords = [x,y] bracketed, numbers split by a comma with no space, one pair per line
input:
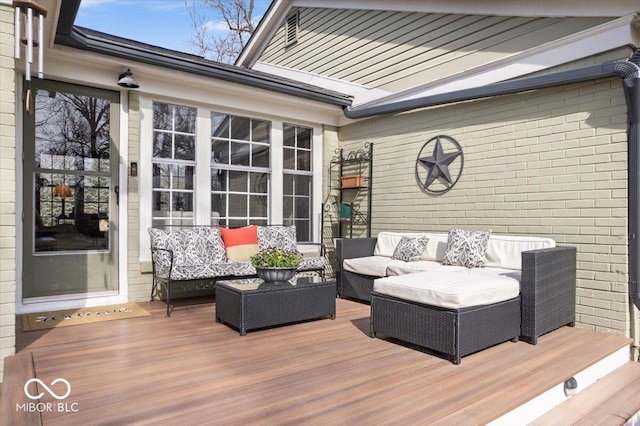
[628,71]
[592,72]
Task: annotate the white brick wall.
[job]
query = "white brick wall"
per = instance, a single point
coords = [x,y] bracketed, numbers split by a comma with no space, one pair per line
[7,190]
[550,163]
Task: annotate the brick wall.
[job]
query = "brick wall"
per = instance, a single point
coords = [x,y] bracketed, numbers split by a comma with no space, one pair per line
[7,190]
[550,163]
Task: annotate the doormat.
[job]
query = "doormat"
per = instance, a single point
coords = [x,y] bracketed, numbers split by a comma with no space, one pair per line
[52,319]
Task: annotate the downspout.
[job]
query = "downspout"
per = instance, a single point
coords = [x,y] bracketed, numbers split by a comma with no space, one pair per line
[628,71]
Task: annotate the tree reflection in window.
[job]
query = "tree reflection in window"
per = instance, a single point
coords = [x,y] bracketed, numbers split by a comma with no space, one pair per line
[72,148]
[174,142]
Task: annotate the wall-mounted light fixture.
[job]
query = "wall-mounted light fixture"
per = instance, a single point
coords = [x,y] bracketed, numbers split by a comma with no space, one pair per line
[25,11]
[126,80]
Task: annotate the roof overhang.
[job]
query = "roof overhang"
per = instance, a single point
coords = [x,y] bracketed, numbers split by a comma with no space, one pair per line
[93,41]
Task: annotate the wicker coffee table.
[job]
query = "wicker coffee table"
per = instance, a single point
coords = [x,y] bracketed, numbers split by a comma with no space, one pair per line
[249,304]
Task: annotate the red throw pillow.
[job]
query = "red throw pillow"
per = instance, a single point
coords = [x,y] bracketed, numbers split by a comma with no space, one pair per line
[240,243]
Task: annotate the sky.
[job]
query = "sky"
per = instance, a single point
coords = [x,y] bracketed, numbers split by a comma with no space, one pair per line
[163,23]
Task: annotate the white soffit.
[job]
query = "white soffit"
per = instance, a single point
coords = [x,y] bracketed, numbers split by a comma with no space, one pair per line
[359,92]
[71,65]
[611,35]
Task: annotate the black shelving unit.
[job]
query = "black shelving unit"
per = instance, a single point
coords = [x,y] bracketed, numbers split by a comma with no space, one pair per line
[348,203]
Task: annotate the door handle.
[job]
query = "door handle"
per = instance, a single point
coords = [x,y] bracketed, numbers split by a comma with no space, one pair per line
[117,191]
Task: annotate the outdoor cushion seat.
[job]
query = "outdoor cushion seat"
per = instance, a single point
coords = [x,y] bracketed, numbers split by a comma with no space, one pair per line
[452,289]
[423,266]
[420,266]
[312,263]
[375,266]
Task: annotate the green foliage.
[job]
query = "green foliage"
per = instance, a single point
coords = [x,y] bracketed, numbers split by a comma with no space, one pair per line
[276,258]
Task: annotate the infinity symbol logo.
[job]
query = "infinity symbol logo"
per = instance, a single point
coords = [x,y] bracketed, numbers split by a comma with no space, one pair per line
[47,388]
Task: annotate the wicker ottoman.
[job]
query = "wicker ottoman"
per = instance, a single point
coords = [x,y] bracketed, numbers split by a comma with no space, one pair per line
[453,333]
[452,313]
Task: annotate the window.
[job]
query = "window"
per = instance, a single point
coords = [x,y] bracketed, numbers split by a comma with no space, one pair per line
[240,170]
[297,179]
[174,161]
[212,167]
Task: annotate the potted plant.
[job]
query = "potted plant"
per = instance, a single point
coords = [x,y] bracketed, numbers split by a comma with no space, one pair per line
[274,264]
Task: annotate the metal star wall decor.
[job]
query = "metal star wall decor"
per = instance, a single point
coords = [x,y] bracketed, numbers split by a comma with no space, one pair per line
[435,167]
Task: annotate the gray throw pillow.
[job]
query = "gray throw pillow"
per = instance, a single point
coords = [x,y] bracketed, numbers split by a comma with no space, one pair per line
[409,249]
[466,248]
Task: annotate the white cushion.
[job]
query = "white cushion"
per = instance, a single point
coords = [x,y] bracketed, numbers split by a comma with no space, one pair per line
[505,251]
[375,266]
[420,266]
[388,241]
[515,274]
[453,289]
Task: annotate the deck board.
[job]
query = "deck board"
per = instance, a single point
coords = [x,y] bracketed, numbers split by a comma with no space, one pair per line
[188,369]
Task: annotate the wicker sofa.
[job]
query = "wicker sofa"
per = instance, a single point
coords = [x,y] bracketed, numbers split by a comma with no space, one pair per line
[196,257]
[526,289]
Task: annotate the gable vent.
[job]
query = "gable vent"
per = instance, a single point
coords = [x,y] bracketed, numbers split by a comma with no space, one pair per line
[291,29]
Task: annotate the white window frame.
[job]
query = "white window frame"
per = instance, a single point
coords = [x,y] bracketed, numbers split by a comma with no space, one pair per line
[202,184]
[295,172]
[171,162]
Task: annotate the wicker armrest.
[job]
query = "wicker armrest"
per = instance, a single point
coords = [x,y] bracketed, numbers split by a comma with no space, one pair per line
[548,290]
[349,248]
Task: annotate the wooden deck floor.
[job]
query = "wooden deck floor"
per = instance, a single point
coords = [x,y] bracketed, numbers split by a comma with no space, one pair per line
[189,370]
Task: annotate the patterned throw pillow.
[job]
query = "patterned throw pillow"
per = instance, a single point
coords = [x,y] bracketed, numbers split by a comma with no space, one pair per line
[409,249]
[282,237]
[466,248]
[240,243]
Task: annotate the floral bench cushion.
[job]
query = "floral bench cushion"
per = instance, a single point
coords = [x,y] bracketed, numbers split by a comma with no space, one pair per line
[312,264]
[197,252]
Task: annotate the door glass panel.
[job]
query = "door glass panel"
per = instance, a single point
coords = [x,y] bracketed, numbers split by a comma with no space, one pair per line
[70,180]
[72,212]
